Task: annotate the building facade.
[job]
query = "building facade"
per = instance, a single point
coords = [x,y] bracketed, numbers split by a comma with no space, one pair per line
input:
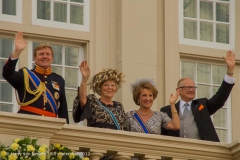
[159,39]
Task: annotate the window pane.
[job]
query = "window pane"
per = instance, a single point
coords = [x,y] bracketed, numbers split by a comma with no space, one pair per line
[76,14]
[220,118]
[206,10]
[57,70]
[188,69]
[60,12]
[190,8]
[5,92]
[43,10]
[6,107]
[80,1]
[71,78]
[2,62]
[9,7]
[190,29]
[222,12]
[206,31]
[222,135]
[35,44]
[71,56]
[222,34]
[203,91]
[70,94]
[203,73]
[6,47]
[57,53]
[218,73]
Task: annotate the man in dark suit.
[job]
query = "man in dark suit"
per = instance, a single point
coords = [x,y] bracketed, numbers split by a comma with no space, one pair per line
[195,114]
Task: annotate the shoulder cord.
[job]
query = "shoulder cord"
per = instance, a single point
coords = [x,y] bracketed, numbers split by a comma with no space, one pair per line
[37,92]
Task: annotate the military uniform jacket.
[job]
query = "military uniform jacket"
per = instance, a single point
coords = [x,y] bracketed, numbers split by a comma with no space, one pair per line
[202,109]
[55,84]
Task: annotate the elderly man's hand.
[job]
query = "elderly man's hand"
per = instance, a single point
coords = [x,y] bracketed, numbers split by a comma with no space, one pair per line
[230,62]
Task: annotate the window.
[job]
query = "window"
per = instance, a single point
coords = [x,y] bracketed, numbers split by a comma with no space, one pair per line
[66,14]
[207,23]
[65,63]
[11,10]
[208,78]
[7,93]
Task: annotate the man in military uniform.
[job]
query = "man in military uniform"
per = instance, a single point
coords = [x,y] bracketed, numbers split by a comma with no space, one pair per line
[40,91]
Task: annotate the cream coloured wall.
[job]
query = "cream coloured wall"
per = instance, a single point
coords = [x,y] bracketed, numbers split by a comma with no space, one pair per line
[172,62]
[236,89]
[137,37]
[161,55]
[133,43]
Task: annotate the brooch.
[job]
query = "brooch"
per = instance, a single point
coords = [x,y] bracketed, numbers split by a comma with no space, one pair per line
[55,85]
[56,95]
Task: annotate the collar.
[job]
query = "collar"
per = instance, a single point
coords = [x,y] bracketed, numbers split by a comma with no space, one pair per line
[183,102]
[114,104]
[43,71]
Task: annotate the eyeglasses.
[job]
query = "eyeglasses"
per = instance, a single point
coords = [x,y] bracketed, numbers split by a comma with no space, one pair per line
[189,88]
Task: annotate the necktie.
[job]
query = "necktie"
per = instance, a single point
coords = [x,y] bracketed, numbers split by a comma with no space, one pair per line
[185,112]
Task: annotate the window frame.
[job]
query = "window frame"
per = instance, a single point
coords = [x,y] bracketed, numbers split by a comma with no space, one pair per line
[15,106]
[208,44]
[12,18]
[227,106]
[62,25]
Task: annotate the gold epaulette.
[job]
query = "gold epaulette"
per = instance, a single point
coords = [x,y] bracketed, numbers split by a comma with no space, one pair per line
[37,92]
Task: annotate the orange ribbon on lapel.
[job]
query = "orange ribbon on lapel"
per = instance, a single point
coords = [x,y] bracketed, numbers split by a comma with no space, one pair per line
[201,107]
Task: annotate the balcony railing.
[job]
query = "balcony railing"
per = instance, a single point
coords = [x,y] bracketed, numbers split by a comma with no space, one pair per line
[120,144]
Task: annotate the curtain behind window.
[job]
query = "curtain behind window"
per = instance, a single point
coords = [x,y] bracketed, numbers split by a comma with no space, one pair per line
[43,10]
[9,7]
[206,21]
[6,48]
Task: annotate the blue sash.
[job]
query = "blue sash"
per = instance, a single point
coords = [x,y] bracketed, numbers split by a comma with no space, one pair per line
[140,122]
[111,114]
[49,97]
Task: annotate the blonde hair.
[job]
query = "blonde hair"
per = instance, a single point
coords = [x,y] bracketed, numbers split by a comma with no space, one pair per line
[41,46]
[140,84]
[106,74]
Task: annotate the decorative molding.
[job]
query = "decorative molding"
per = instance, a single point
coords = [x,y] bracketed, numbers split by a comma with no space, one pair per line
[114,142]
[130,143]
[204,58]
[29,125]
[44,37]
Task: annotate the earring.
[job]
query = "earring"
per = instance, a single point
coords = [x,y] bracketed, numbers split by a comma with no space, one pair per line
[138,102]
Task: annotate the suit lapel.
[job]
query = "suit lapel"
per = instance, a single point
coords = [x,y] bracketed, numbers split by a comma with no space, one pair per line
[177,108]
[196,112]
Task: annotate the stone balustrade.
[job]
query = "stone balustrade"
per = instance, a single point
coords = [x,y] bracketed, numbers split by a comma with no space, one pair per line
[96,142]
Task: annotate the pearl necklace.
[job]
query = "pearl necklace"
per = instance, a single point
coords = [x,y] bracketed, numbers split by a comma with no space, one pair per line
[144,114]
